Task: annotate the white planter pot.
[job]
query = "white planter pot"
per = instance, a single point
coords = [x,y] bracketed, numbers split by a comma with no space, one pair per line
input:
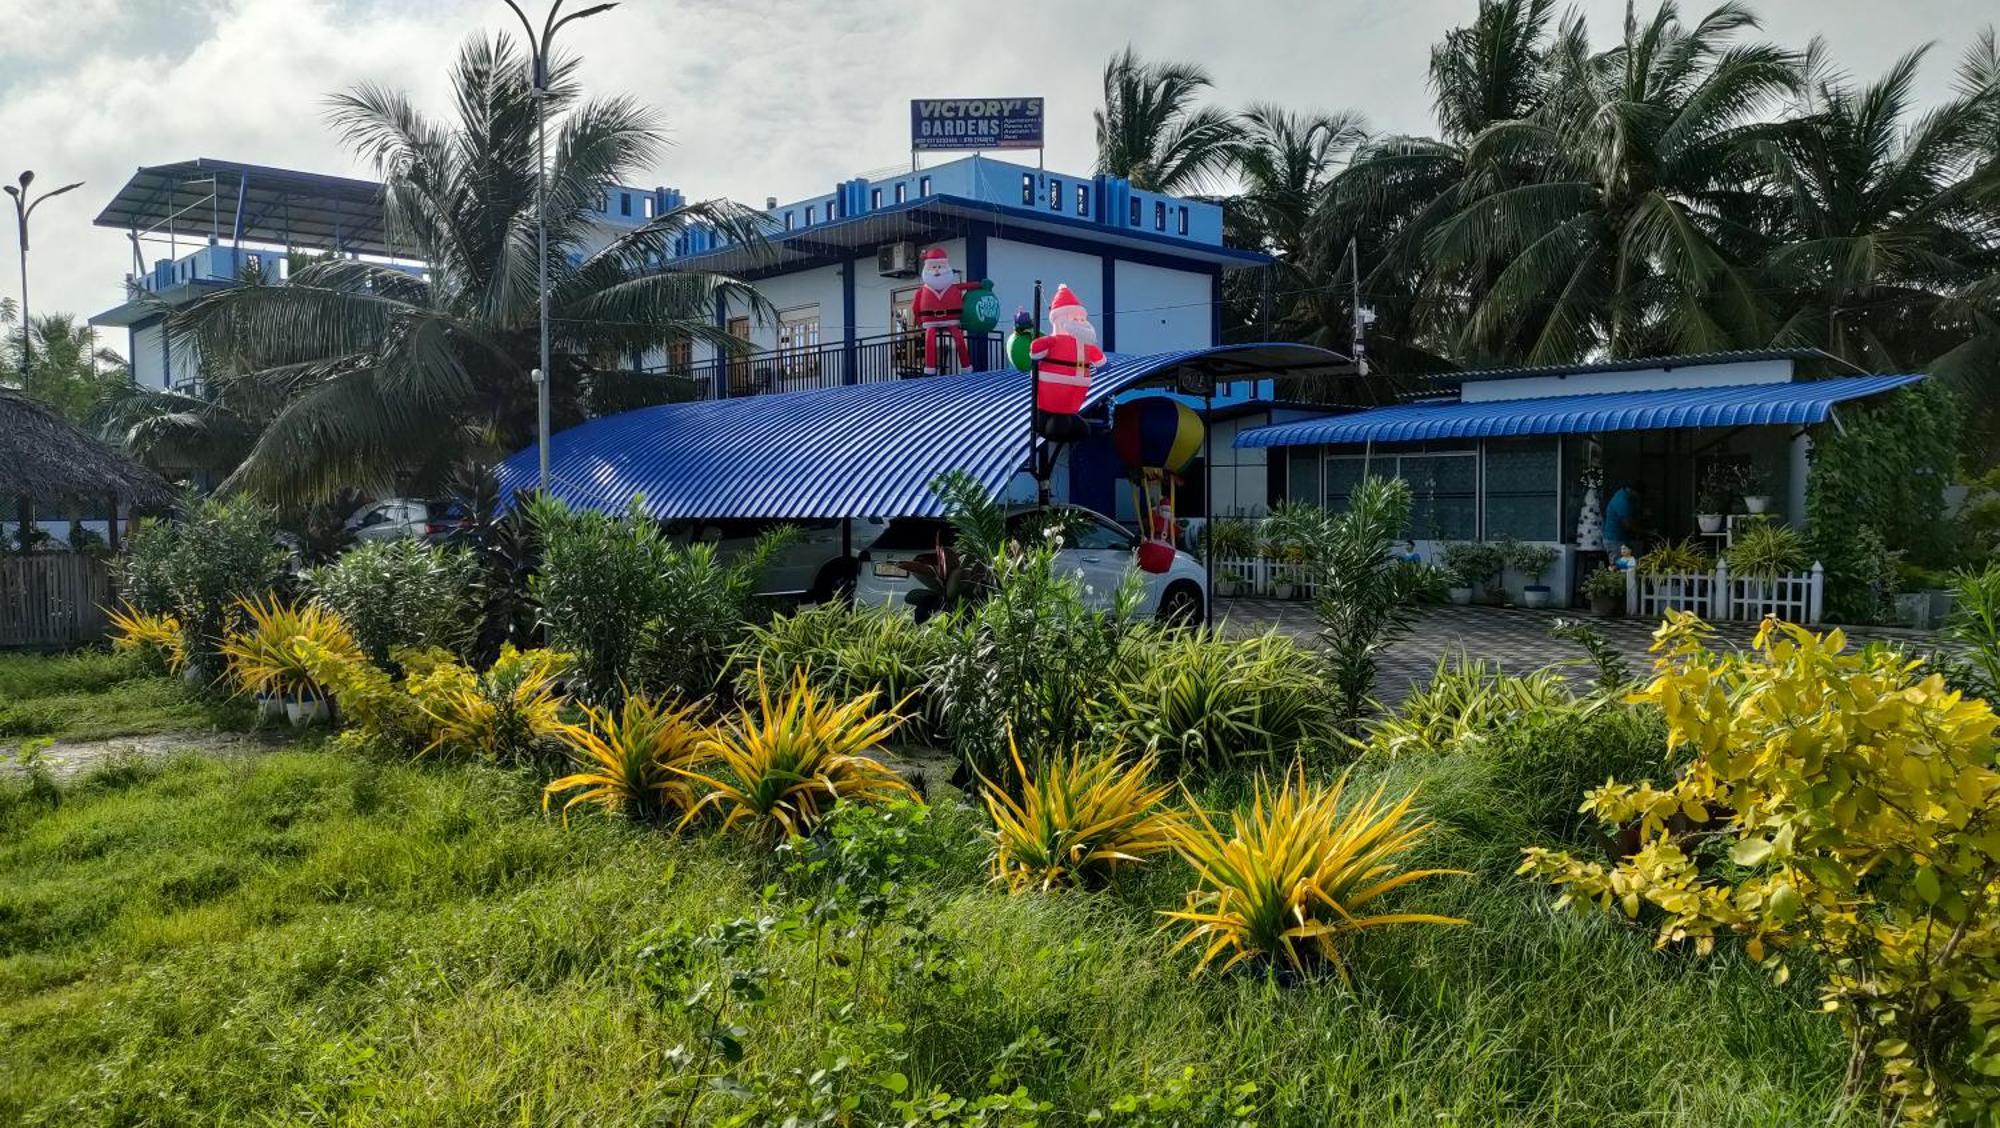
[1461,596]
[1709,522]
[1535,596]
[1225,589]
[1757,503]
[1283,591]
[271,705]
[311,710]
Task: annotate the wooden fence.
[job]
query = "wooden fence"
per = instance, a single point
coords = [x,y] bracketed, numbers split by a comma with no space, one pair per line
[53,599]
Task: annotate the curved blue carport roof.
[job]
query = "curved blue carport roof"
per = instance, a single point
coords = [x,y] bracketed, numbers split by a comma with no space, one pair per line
[864,450]
[1740,405]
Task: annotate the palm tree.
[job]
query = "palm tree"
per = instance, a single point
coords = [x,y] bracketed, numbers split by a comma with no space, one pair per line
[1151,132]
[1400,189]
[1875,234]
[365,374]
[69,372]
[1632,236]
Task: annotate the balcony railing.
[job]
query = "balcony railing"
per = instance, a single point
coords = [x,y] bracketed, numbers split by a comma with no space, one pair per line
[870,360]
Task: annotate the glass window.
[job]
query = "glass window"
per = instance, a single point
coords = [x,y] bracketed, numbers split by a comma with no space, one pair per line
[624,203]
[1095,534]
[1521,491]
[1135,211]
[1302,482]
[1055,194]
[788,226]
[1027,188]
[924,186]
[1342,475]
[1444,495]
[874,198]
[902,192]
[1159,215]
[652,207]
[1082,200]
[812,215]
[1183,220]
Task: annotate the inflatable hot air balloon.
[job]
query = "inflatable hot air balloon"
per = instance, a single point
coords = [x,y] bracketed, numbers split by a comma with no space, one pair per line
[1156,437]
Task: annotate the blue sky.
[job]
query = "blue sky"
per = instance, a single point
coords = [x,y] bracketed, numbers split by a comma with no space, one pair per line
[760,98]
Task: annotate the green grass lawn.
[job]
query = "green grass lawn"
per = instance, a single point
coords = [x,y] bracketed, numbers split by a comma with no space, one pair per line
[313,936]
[95,694]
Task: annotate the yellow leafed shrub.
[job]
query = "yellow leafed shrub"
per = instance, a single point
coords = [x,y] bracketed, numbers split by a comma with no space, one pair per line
[1080,815]
[791,759]
[632,760]
[507,713]
[1294,875]
[1843,807]
[156,638]
[283,649]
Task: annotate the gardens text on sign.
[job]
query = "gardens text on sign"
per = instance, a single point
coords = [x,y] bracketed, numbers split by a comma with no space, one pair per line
[975,123]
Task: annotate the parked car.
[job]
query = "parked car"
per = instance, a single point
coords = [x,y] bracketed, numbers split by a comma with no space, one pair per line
[815,565]
[1098,550]
[402,518]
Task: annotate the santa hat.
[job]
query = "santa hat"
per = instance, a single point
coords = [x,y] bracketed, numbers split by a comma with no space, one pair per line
[935,254]
[1063,299]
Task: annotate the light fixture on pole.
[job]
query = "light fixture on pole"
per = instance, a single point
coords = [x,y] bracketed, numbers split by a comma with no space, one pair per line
[23,208]
[538,50]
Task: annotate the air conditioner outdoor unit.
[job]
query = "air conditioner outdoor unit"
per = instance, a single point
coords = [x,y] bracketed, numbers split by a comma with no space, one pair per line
[896,260]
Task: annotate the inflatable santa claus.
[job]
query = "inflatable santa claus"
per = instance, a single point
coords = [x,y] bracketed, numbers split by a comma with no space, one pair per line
[939,307]
[1064,357]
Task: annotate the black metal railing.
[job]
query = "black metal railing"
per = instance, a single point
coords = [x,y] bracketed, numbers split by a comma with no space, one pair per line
[868,360]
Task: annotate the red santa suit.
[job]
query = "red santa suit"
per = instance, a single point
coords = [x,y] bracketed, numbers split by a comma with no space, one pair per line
[937,306]
[1065,356]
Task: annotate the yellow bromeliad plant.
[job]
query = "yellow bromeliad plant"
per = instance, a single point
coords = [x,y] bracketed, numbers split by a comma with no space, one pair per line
[155,638]
[506,713]
[285,649]
[1295,875]
[789,761]
[633,760]
[1838,805]
[1080,815]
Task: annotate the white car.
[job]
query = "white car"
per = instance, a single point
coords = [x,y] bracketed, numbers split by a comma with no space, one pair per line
[392,518]
[1097,550]
[815,565]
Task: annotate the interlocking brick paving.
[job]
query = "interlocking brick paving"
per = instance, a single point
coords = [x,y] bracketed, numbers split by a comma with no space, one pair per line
[1515,639]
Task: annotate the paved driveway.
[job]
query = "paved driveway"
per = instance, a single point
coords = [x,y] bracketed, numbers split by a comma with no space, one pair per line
[1517,640]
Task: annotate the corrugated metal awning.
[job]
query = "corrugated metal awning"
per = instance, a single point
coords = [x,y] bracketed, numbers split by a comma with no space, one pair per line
[1743,405]
[866,450]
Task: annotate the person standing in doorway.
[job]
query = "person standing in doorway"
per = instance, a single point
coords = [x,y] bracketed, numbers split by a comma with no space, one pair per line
[1621,521]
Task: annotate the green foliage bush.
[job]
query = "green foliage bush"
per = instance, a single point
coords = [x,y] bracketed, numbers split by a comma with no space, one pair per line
[1883,470]
[1200,699]
[1367,598]
[218,550]
[847,651]
[401,593]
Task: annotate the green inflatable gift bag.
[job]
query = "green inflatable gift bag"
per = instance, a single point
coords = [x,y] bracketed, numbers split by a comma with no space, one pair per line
[982,309]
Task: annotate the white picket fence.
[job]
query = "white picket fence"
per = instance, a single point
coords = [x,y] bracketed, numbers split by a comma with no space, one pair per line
[1267,579]
[1721,598]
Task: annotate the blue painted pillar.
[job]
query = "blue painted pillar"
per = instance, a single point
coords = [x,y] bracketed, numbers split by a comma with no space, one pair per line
[1108,316]
[975,271]
[1215,306]
[850,371]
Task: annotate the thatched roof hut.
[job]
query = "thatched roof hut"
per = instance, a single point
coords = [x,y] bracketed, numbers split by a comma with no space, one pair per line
[52,463]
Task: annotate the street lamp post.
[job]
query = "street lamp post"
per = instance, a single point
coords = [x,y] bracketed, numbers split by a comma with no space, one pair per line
[23,208]
[538,48]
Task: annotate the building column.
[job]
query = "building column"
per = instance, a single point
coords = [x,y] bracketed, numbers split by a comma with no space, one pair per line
[1795,494]
[849,358]
[975,271]
[1107,285]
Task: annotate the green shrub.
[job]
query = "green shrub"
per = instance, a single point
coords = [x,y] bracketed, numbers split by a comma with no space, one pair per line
[1765,550]
[401,593]
[703,608]
[1367,598]
[847,651]
[1465,702]
[1471,564]
[1199,699]
[598,587]
[220,550]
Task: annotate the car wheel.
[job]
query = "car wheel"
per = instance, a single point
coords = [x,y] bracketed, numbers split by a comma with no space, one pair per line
[835,582]
[1180,606]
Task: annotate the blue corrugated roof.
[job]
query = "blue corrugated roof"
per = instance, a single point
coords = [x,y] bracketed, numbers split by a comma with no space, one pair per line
[867,450]
[1740,405]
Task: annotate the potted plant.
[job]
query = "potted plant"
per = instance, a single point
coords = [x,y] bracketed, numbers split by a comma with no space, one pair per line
[1289,533]
[1605,588]
[1755,480]
[1670,564]
[1470,565]
[1718,488]
[1763,551]
[1533,562]
[278,650]
[1234,542]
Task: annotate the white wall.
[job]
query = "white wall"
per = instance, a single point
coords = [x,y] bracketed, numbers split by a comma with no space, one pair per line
[1240,477]
[149,365]
[1015,266]
[1638,380]
[1161,310]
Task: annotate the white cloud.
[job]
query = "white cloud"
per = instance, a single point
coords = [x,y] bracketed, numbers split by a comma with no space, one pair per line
[760,97]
